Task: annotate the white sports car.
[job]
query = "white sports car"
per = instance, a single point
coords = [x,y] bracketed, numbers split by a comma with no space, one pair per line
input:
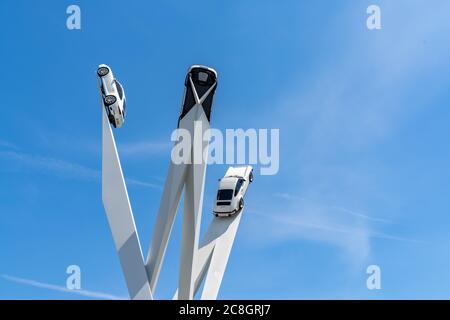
[113,96]
[232,188]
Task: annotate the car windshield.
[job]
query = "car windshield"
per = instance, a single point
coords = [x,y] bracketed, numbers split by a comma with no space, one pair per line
[238,186]
[225,194]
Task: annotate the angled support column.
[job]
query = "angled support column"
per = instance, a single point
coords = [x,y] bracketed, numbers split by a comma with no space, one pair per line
[189,177]
[164,222]
[120,217]
[227,233]
[212,257]
[193,206]
[175,183]
[194,119]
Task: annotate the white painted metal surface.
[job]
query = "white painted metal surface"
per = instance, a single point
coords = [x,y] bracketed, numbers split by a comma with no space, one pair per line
[120,217]
[213,255]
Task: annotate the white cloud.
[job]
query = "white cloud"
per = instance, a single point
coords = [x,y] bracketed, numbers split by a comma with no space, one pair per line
[343,112]
[8,145]
[288,196]
[313,223]
[139,183]
[292,197]
[86,293]
[361,215]
[65,169]
[55,166]
[143,148]
[299,218]
[366,94]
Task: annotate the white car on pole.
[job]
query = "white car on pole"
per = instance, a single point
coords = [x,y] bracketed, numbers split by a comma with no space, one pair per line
[232,189]
[113,96]
[200,86]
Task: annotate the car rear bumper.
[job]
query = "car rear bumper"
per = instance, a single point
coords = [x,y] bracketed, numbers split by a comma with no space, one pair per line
[225,213]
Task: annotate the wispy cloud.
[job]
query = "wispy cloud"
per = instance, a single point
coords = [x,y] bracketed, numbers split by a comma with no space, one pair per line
[65,169]
[337,119]
[8,145]
[299,218]
[380,235]
[143,148]
[361,215]
[288,196]
[352,238]
[370,90]
[293,197]
[55,166]
[296,221]
[85,293]
[139,183]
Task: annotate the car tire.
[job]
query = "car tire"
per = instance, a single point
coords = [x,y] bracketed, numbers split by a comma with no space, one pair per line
[110,99]
[241,204]
[250,177]
[102,71]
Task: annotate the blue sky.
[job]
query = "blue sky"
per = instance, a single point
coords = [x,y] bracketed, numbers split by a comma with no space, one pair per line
[364,124]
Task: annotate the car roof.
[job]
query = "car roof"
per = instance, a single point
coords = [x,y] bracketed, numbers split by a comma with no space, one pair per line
[228,183]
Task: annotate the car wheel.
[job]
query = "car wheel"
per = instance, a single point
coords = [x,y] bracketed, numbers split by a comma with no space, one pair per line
[109,100]
[250,177]
[241,204]
[102,71]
